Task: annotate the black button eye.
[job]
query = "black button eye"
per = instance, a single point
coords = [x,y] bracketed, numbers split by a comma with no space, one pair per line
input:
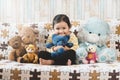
[90,32]
[99,34]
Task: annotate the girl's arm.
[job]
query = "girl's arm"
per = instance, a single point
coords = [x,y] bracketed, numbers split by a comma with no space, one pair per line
[73,39]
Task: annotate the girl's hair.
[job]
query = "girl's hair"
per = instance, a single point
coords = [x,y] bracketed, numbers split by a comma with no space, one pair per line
[61,17]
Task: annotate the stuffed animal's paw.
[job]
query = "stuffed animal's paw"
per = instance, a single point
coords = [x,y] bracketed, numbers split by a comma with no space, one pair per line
[35,61]
[107,55]
[92,62]
[81,52]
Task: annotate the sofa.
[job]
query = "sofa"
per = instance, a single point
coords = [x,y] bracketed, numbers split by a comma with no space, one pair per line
[11,70]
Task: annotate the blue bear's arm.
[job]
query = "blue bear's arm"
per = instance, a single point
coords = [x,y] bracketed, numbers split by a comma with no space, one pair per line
[60,43]
[69,45]
[49,45]
[66,39]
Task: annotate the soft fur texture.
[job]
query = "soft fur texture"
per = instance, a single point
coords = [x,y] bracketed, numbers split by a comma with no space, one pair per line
[58,40]
[18,50]
[30,56]
[96,32]
[28,35]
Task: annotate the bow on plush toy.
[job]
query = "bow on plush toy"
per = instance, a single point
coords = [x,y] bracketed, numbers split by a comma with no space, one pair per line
[58,40]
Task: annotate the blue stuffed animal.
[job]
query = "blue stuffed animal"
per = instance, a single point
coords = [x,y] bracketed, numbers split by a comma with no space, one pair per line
[95,32]
[58,40]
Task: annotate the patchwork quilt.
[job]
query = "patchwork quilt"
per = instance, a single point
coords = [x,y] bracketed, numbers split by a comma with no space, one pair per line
[21,71]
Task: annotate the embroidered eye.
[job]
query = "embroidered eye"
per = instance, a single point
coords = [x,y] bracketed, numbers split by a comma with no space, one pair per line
[90,32]
[99,34]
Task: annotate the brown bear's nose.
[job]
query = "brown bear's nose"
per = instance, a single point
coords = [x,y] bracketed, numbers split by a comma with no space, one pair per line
[16,44]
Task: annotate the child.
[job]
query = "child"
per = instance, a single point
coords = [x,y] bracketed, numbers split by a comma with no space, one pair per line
[61,26]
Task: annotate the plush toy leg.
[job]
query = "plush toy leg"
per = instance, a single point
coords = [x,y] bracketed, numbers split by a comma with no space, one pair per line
[107,55]
[81,55]
[19,59]
[22,60]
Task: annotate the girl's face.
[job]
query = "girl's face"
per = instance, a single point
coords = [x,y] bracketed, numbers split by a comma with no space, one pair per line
[61,28]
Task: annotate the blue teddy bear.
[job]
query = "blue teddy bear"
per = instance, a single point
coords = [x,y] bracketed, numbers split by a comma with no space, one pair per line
[58,40]
[95,32]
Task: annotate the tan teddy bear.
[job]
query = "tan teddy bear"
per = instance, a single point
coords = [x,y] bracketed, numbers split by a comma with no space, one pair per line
[28,34]
[31,56]
[18,50]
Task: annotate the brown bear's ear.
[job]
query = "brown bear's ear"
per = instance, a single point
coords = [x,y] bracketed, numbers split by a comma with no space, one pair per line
[35,31]
[18,37]
[26,46]
[19,26]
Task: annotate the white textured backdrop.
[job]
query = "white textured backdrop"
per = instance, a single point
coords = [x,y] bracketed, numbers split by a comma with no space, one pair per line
[27,11]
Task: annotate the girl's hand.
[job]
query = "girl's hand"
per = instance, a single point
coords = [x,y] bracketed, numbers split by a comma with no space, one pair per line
[57,47]
[66,48]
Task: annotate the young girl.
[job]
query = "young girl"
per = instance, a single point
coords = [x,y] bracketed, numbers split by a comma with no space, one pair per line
[61,26]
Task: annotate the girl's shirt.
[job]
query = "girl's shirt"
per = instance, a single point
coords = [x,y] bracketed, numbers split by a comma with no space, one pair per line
[73,39]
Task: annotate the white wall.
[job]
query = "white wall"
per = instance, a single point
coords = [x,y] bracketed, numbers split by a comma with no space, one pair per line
[27,11]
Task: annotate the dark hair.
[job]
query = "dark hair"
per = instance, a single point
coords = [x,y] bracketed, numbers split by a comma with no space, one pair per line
[61,17]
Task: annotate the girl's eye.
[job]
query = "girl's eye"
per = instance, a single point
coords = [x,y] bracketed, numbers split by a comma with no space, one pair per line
[99,34]
[63,27]
[57,28]
[90,32]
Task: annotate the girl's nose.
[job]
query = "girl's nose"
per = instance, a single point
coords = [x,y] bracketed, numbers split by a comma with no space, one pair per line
[60,31]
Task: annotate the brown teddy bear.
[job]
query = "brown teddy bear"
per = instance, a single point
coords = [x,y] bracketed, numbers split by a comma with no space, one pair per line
[18,50]
[28,34]
[30,56]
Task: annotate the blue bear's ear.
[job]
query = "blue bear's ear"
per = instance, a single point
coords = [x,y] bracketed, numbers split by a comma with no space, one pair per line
[68,37]
[54,35]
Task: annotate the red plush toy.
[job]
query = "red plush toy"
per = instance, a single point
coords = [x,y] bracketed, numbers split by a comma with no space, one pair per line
[92,56]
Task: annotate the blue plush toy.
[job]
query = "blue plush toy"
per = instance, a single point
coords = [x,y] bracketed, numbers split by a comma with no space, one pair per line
[58,40]
[95,32]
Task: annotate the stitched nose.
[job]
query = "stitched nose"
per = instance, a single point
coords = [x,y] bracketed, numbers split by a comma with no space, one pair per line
[16,44]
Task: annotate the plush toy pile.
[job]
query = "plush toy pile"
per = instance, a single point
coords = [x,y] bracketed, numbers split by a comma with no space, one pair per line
[26,35]
[95,32]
